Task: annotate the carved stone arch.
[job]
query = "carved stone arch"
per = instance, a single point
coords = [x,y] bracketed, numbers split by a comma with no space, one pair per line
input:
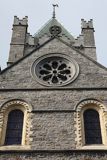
[16,102]
[84,102]
[4,111]
[80,108]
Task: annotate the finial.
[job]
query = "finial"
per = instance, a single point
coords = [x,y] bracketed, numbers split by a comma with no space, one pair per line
[54,5]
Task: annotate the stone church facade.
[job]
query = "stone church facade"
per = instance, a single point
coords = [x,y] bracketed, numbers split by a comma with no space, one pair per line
[53,95]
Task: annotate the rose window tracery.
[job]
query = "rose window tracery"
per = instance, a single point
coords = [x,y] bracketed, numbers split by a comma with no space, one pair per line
[55,70]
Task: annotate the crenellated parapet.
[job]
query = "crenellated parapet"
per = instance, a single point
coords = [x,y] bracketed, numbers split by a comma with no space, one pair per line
[31,43]
[87,24]
[79,42]
[29,39]
[18,21]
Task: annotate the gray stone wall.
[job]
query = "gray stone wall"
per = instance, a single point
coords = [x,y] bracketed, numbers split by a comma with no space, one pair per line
[53,115]
[91,74]
[18,40]
[16,52]
[55,156]
[53,110]
[89,38]
[53,131]
[53,99]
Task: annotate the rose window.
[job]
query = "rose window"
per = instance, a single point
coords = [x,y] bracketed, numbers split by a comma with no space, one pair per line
[55,70]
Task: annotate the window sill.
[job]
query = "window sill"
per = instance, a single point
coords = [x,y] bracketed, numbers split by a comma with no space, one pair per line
[14,147]
[94,147]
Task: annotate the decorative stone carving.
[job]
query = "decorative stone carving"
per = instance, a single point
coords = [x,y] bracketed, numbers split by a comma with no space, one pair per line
[55,30]
[5,109]
[85,104]
[55,70]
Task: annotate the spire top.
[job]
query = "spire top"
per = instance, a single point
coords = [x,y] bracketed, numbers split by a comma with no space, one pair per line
[54,13]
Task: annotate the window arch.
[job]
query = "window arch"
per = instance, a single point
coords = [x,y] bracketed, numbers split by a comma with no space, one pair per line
[7,110]
[14,127]
[92,127]
[81,108]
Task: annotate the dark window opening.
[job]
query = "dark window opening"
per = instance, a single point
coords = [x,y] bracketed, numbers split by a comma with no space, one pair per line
[14,128]
[92,127]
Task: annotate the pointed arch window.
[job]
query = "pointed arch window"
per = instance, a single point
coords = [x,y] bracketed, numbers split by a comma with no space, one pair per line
[14,127]
[92,127]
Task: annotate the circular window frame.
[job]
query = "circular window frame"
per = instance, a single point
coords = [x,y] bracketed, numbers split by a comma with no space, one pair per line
[62,56]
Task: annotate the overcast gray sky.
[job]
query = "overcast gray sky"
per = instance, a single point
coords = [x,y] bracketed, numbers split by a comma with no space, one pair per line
[69,14]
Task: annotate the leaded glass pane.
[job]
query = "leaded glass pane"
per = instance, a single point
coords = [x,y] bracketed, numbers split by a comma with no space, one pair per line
[14,128]
[92,127]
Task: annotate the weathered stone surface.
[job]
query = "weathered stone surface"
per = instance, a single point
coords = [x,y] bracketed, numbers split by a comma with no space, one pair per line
[91,74]
[52,131]
[53,99]
[55,156]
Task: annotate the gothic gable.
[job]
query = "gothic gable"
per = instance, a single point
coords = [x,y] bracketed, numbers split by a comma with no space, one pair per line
[88,73]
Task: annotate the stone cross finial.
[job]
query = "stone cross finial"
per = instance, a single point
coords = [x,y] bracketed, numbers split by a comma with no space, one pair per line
[54,5]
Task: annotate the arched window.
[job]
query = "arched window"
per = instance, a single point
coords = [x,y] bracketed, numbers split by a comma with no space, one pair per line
[14,127]
[92,127]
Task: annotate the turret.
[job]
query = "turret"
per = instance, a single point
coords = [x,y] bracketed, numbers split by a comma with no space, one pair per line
[88,38]
[18,40]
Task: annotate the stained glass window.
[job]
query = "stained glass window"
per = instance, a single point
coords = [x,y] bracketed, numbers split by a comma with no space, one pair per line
[14,128]
[92,127]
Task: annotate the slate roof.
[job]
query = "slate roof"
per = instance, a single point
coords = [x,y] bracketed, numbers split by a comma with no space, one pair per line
[53,22]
